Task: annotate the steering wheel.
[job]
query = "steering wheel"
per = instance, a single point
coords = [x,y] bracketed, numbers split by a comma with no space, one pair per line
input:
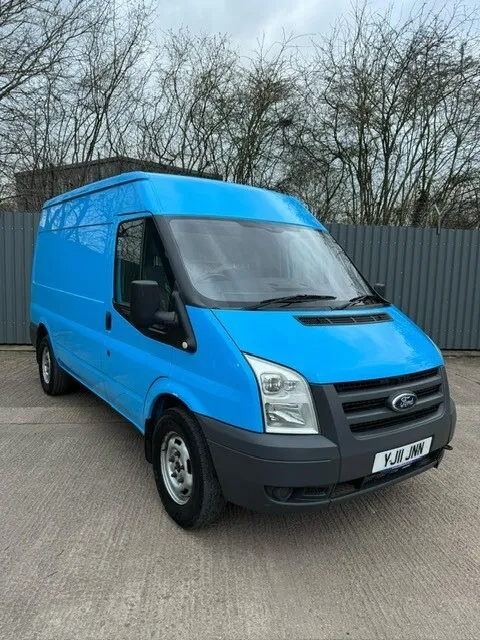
[221,275]
[213,276]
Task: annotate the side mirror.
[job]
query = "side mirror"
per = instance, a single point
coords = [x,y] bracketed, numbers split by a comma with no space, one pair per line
[380,289]
[145,304]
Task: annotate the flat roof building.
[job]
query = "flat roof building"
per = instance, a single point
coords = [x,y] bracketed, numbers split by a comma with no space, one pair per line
[35,186]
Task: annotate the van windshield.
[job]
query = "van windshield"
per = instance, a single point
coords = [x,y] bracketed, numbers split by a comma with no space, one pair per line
[240,263]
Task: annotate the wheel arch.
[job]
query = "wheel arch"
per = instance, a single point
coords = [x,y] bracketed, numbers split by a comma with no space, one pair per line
[42,331]
[163,394]
[163,402]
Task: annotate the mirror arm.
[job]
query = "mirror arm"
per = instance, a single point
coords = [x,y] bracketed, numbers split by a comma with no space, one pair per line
[167,318]
[190,343]
[380,287]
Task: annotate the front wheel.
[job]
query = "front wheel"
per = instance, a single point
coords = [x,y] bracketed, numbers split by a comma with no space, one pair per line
[184,472]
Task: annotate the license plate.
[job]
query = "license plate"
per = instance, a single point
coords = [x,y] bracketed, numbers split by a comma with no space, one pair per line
[401,456]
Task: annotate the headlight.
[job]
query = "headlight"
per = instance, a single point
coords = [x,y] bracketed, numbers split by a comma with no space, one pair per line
[286,399]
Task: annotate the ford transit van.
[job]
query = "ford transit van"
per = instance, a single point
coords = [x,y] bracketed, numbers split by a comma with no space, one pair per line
[231,329]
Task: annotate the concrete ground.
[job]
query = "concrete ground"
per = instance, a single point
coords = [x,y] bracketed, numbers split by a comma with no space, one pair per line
[87,552]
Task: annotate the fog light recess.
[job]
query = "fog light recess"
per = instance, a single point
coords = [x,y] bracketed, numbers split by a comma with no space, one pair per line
[282,494]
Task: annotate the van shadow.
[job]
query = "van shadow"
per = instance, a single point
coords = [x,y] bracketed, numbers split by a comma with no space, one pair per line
[383,515]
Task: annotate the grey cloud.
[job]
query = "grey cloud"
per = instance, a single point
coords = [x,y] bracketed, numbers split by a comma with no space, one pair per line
[247,20]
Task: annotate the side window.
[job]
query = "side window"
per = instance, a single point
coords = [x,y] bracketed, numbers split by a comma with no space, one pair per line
[155,266]
[128,254]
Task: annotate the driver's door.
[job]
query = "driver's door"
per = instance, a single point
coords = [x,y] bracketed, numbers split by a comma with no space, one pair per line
[134,360]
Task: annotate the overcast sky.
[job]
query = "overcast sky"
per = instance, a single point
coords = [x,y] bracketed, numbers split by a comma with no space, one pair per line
[246,20]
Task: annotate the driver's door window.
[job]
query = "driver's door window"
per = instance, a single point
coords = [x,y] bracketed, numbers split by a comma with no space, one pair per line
[140,255]
[128,261]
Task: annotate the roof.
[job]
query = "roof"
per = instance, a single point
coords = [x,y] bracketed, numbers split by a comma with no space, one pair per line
[181,195]
[99,185]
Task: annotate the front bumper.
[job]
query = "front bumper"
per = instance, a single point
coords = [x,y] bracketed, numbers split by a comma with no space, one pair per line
[251,467]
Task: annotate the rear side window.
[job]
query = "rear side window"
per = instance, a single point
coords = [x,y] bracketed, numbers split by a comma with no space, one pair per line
[128,258]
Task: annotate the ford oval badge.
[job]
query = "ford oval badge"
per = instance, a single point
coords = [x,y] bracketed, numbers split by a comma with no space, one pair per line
[403,401]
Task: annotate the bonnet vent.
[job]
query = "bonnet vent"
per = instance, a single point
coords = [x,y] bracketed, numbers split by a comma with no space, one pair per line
[325,321]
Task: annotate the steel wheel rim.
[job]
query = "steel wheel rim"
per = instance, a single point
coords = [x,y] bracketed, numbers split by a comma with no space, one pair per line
[176,467]
[46,365]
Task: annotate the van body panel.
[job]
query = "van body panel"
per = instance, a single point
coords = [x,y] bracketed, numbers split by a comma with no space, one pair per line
[70,295]
[133,362]
[99,202]
[339,353]
[193,196]
[219,380]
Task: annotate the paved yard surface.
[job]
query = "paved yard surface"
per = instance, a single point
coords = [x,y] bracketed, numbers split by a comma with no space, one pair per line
[87,552]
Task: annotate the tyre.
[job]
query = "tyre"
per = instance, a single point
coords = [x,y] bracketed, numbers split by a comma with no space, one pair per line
[53,378]
[184,472]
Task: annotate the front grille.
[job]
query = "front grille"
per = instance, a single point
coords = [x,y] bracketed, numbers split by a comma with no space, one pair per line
[397,418]
[428,392]
[366,407]
[325,321]
[363,405]
[383,382]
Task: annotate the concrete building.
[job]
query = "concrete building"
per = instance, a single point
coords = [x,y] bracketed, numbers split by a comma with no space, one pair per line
[35,186]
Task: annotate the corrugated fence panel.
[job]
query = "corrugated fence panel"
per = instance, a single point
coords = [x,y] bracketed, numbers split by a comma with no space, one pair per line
[17,237]
[434,278]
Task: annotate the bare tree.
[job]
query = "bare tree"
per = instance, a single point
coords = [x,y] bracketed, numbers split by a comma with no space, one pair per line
[400,112]
[109,79]
[34,36]
[82,109]
[210,112]
[379,125]
[183,121]
[262,107]
[36,40]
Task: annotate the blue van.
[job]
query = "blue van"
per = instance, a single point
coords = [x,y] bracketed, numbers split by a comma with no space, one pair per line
[229,327]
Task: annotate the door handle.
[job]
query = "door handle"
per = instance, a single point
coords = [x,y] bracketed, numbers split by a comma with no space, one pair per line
[108,321]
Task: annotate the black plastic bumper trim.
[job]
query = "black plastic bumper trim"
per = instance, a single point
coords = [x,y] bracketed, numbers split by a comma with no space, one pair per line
[247,462]
[270,446]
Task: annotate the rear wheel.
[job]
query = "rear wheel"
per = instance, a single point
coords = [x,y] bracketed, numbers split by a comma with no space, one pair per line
[184,472]
[53,378]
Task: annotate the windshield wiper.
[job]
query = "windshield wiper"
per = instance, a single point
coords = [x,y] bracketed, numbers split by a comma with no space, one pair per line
[301,297]
[363,298]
